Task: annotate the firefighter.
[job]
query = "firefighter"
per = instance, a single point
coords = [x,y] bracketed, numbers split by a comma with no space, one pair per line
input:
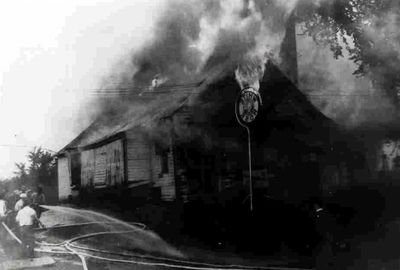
[20,203]
[38,200]
[3,207]
[26,220]
[3,212]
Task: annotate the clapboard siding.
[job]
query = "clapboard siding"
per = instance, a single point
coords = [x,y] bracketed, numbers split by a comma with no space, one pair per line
[64,179]
[100,166]
[138,148]
[138,170]
[144,164]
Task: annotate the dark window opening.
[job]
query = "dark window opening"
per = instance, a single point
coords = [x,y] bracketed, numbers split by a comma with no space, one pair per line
[163,152]
[164,162]
[75,169]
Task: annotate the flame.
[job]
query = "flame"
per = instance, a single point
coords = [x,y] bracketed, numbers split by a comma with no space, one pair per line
[157,81]
[250,72]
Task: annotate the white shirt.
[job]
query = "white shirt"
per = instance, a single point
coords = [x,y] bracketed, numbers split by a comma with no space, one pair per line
[26,216]
[18,206]
[3,208]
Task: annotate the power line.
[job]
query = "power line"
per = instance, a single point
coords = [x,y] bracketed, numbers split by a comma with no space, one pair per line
[145,87]
[147,94]
[27,146]
[189,88]
[171,90]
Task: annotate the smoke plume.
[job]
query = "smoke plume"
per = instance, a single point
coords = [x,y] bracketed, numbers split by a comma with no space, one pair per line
[331,86]
[192,38]
[354,101]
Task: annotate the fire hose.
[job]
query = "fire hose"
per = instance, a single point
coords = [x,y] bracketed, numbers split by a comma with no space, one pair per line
[178,263]
[11,233]
[72,249]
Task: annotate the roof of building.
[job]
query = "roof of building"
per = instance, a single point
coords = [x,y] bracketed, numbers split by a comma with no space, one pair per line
[209,98]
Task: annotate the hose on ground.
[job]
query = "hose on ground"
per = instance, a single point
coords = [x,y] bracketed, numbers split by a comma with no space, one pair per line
[186,263]
[178,265]
[71,249]
[137,224]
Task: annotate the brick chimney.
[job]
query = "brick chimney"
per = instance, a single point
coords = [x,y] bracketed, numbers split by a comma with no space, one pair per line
[288,53]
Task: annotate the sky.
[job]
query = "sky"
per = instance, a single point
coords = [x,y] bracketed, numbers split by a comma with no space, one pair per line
[53,53]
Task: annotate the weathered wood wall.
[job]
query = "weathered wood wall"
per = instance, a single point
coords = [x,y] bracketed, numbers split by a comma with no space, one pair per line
[104,165]
[144,164]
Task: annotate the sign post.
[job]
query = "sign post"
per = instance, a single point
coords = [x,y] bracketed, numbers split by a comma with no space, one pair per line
[247,105]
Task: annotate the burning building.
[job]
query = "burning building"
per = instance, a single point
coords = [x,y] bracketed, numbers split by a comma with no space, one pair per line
[184,142]
[195,148]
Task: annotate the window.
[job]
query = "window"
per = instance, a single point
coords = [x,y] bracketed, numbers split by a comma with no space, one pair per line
[164,161]
[162,152]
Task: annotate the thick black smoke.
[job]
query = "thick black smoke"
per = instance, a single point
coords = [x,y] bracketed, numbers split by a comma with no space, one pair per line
[193,37]
[193,40]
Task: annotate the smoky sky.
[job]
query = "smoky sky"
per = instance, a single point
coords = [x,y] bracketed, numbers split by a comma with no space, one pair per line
[190,35]
[193,39]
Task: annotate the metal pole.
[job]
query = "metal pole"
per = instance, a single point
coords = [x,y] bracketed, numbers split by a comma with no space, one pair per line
[250,179]
[249,151]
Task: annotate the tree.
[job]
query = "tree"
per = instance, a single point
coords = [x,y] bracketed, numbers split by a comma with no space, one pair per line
[42,170]
[368,29]
[21,176]
[21,170]
[42,167]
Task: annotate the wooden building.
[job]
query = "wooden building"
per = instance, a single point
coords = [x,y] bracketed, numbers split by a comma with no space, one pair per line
[191,147]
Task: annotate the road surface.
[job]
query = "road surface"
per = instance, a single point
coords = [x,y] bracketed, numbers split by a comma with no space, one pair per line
[84,239]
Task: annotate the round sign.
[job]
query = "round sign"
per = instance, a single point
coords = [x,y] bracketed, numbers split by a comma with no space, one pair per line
[247,105]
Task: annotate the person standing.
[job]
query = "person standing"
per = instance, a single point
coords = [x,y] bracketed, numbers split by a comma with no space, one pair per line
[3,212]
[26,219]
[38,200]
[3,207]
[20,203]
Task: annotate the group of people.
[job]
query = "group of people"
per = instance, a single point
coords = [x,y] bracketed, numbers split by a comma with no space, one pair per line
[21,211]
